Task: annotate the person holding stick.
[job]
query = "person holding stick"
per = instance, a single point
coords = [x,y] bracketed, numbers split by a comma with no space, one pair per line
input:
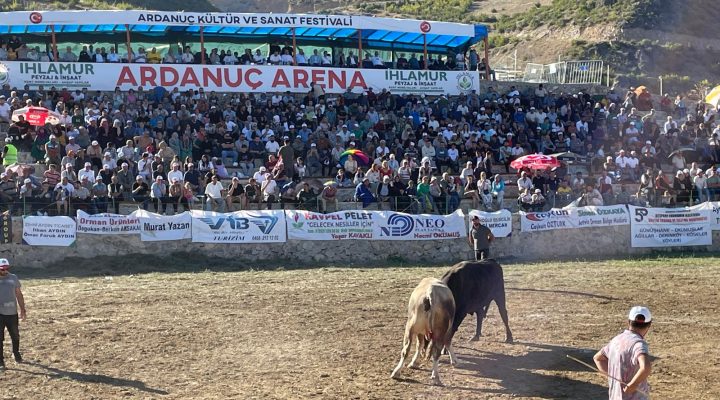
[626,359]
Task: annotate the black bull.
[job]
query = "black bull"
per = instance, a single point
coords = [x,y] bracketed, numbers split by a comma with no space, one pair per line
[474,284]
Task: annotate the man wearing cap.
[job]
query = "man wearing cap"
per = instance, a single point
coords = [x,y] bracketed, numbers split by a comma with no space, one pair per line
[626,359]
[87,172]
[11,298]
[480,237]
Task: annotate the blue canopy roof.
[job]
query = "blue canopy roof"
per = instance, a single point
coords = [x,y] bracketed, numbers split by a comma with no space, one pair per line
[347,37]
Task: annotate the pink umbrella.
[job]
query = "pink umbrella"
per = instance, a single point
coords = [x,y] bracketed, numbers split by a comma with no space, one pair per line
[535,161]
[38,116]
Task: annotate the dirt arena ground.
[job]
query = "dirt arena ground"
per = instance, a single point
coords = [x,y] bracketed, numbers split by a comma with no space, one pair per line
[105,330]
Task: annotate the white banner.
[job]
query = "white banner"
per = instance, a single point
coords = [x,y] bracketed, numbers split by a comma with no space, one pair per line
[107,224]
[233,78]
[593,216]
[557,218]
[670,227]
[307,225]
[257,20]
[399,226]
[262,226]
[156,227]
[714,207]
[49,231]
[499,222]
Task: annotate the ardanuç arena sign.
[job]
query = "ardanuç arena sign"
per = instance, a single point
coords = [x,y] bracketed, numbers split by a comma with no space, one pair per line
[232,78]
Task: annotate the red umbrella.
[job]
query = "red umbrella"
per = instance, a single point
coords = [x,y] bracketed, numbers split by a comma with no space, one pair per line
[535,161]
[38,116]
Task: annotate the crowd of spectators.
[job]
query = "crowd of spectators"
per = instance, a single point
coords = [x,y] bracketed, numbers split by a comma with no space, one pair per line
[12,48]
[170,148]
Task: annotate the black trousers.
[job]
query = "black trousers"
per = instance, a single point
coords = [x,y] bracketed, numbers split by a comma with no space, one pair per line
[482,254]
[11,323]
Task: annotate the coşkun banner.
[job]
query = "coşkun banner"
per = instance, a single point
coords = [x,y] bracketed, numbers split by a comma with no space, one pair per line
[232,78]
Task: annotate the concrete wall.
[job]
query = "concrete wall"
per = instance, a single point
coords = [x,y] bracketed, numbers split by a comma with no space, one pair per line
[585,243]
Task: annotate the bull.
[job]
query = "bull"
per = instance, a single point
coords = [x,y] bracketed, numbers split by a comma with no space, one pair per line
[474,284]
[430,319]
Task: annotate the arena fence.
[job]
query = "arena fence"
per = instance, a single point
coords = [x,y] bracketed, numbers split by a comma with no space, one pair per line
[649,227]
[566,72]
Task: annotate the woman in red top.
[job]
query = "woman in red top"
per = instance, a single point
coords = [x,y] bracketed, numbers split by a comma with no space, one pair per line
[385,170]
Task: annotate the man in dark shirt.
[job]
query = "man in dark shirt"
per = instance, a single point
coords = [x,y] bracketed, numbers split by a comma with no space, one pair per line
[480,238]
[141,192]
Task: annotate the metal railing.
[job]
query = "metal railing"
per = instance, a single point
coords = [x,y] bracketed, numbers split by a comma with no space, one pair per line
[566,72]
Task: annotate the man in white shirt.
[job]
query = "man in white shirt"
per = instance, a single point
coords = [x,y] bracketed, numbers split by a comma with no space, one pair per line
[176,174]
[377,62]
[275,59]
[87,172]
[632,164]
[524,182]
[187,56]
[5,110]
[272,146]
[68,55]
[113,57]
[259,176]
[230,58]
[669,125]
[300,58]
[326,59]
[214,193]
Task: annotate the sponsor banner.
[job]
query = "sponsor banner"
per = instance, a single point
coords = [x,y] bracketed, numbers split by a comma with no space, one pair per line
[7,233]
[499,222]
[156,227]
[262,226]
[257,20]
[341,225]
[714,207]
[49,231]
[233,78]
[592,216]
[107,224]
[556,218]
[670,227]
[399,226]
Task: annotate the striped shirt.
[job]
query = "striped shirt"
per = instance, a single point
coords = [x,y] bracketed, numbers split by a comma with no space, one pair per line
[622,353]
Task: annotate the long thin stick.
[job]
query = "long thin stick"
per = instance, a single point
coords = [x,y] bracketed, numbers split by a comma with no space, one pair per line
[602,373]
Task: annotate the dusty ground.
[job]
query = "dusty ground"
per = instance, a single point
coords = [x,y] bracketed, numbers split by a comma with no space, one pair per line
[104,330]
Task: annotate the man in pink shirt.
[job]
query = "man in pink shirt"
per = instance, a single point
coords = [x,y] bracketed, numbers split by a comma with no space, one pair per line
[626,359]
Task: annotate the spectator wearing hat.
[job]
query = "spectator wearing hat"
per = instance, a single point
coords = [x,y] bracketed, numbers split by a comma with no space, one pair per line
[99,192]
[626,359]
[537,201]
[480,237]
[11,299]
[158,194]
[87,172]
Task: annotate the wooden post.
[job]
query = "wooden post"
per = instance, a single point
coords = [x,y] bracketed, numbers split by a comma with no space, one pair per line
[360,56]
[487,59]
[54,44]
[425,56]
[294,54]
[202,45]
[127,42]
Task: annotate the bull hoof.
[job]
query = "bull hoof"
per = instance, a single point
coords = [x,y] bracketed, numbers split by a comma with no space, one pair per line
[509,340]
[475,338]
[393,375]
[437,382]
[413,366]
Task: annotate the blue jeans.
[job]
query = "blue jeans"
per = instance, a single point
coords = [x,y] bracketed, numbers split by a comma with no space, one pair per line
[229,154]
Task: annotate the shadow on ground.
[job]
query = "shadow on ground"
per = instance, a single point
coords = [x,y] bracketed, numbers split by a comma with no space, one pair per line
[56,373]
[539,373]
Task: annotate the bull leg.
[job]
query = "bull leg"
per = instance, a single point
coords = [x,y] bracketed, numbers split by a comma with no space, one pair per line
[500,301]
[419,347]
[406,348]
[435,377]
[453,358]
[478,328]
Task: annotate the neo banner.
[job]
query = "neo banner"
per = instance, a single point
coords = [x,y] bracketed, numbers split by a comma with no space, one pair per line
[400,226]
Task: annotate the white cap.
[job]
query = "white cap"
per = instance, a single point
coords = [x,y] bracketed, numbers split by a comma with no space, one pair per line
[8,139]
[4,262]
[640,311]
[95,143]
[262,169]
[27,180]
[648,142]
